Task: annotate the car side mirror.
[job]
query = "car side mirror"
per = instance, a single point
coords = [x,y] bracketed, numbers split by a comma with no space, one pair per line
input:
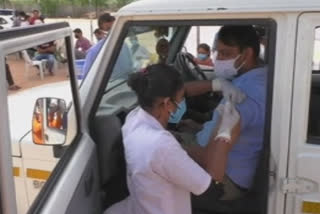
[49,121]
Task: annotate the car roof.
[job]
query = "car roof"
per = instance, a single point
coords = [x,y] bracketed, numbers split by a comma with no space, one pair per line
[191,6]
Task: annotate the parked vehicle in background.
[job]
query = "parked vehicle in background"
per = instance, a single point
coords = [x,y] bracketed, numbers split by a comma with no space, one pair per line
[5,22]
[6,18]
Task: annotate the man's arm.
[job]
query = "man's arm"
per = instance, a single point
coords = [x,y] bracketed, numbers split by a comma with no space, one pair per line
[197,153]
[196,88]
[217,151]
[229,91]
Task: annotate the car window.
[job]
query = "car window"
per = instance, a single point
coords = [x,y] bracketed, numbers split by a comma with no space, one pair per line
[314,109]
[198,35]
[6,12]
[138,50]
[38,126]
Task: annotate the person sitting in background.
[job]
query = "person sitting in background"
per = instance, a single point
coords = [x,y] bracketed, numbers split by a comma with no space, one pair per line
[25,20]
[40,20]
[82,44]
[35,16]
[47,51]
[98,34]
[203,56]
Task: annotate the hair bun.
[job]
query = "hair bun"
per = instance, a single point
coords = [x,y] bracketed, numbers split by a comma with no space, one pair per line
[138,82]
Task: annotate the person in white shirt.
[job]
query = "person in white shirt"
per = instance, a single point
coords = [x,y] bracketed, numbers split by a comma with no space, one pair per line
[160,174]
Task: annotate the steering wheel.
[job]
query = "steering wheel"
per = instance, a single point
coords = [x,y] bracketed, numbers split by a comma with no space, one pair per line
[188,68]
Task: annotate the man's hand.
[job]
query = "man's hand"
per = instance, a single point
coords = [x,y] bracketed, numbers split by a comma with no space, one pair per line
[217,150]
[229,91]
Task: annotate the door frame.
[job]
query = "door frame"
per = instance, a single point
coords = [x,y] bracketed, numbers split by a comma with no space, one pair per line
[298,146]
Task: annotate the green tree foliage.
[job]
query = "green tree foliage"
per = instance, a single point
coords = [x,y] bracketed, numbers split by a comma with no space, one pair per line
[49,7]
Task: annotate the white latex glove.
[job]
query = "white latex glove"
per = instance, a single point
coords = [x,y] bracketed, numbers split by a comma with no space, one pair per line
[230,117]
[229,91]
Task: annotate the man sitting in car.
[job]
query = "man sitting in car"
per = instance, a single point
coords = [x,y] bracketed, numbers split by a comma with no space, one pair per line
[235,161]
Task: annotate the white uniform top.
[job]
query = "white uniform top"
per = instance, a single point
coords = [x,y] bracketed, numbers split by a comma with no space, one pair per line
[160,173]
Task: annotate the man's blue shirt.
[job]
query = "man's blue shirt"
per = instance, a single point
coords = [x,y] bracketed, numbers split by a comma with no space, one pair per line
[122,67]
[244,155]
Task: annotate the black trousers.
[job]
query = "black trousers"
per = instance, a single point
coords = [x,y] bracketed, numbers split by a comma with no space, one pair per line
[9,76]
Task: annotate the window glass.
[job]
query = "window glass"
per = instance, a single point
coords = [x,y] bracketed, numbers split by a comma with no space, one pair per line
[198,35]
[138,50]
[314,111]
[41,122]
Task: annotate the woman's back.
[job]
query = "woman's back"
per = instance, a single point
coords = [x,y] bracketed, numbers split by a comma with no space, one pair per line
[160,174]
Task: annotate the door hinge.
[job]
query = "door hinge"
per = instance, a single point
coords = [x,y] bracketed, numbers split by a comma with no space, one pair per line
[298,185]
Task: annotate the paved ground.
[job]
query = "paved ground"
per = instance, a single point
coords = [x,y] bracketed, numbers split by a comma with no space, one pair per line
[17,67]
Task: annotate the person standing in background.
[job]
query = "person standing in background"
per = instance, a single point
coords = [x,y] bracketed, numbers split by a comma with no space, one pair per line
[82,44]
[47,51]
[105,23]
[98,34]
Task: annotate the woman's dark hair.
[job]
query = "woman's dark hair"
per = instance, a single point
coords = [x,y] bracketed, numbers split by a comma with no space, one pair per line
[158,80]
[244,36]
[204,46]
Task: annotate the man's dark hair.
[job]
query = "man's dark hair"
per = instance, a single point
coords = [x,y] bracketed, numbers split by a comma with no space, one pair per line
[204,46]
[35,11]
[77,30]
[156,81]
[106,17]
[244,36]
[22,13]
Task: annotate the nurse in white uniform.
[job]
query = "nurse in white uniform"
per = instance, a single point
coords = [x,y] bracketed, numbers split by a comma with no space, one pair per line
[160,174]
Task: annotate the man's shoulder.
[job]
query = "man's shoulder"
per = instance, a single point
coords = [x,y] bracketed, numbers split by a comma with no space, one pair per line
[258,74]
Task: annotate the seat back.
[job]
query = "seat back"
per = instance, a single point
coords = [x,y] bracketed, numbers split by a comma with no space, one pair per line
[107,135]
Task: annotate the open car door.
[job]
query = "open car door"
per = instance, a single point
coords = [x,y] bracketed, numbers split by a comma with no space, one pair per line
[303,180]
[68,168]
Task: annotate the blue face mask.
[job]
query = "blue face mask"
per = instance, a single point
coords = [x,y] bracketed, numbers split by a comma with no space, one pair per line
[177,115]
[202,56]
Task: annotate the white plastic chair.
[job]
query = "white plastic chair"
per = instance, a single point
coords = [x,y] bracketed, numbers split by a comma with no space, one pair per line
[30,63]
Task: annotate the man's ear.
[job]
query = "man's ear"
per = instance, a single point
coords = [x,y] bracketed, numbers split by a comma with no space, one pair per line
[246,56]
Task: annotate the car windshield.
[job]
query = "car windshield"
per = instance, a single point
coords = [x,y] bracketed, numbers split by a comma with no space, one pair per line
[6,12]
[142,46]
[139,49]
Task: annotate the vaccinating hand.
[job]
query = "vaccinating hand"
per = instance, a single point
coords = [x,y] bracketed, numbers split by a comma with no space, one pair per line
[229,91]
[229,119]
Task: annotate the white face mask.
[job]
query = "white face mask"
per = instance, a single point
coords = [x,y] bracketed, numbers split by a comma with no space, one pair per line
[225,68]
